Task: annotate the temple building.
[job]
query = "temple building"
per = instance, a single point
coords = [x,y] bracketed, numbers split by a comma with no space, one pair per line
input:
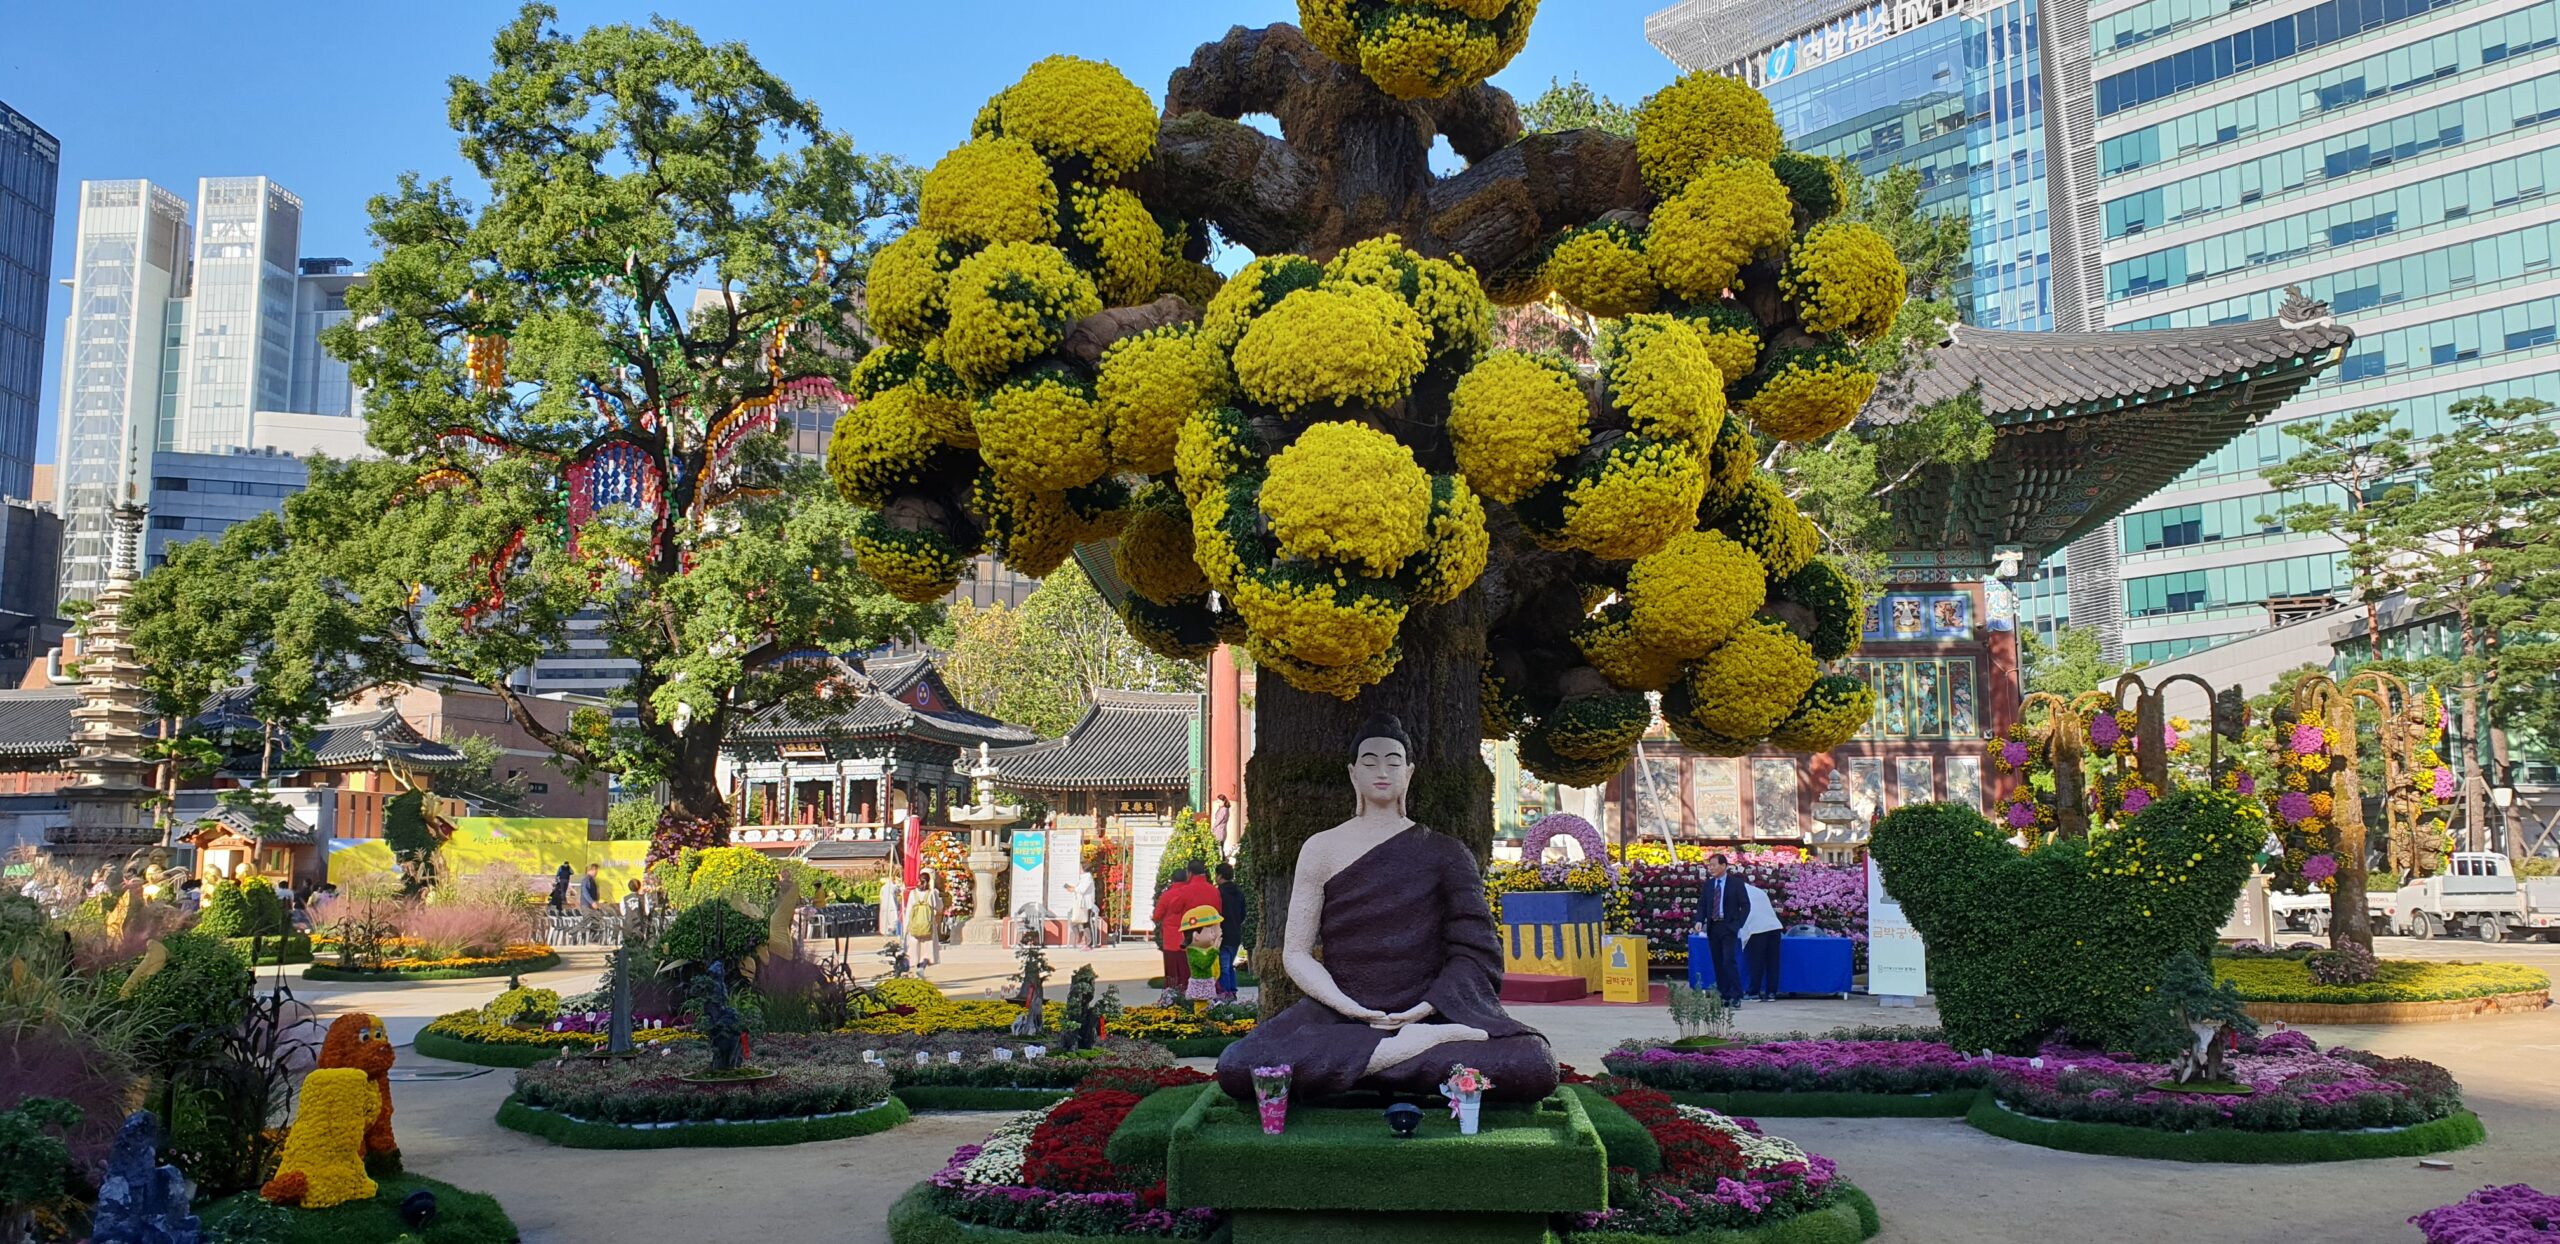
[1134,757]
[833,784]
[2087,424]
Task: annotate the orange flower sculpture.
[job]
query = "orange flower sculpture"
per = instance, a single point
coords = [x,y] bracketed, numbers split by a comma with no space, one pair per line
[357,1040]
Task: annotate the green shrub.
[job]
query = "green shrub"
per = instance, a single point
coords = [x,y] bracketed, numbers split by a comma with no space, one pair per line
[695,931]
[226,914]
[462,1217]
[199,993]
[2394,980]
[539,1006]
[2071,937]
[1192,842]
[742,875]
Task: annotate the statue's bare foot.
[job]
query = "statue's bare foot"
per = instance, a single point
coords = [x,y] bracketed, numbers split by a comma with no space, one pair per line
[1414,1040]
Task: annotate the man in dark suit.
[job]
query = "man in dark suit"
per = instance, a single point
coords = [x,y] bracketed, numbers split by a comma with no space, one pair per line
[1723,905]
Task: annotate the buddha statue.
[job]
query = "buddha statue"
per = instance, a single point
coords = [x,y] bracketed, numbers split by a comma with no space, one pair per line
[1409,980]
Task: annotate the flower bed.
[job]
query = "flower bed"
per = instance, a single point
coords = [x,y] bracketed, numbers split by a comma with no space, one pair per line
[522,957]
[1004,1073]
[1721,1174]
[472,1037]
[818,1076]
[2278,978]
[1046,1172]
[1190,1030]
[2515,1214]
[917,1008]
[1852,1073]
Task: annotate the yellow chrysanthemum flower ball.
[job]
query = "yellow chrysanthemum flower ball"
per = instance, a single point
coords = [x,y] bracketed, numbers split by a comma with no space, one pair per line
[1153,554]
[1348,493]
[934,394]
[1315,620]
[1194,283]
[1069,107]
[1124,239]
[1419,49]
[1512,418]
[1214,444]
[1608,640]
[1731,462]
[1336,346]
[1602,269]
[878,447]
[1010,304]
[915,566]
[1732,213]
[1597,727]
[1645,492]
[1732,338]
[990,190]
[1216,547]
[1692,593]
[1844,279]
[1033,532]
[1342,682]
[1763,519]
[1460,542]
[904,291]
[1753,681]
[1830,714]
[1256,288]
[1661,373]
[1044,432]
[1697,121]
[1445,294]
[1810,394]
[1149,385]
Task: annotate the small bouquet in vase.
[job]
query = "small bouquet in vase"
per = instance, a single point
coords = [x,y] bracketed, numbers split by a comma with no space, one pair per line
[1465,1088]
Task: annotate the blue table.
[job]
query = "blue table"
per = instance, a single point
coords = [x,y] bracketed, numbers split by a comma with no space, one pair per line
[1805,964]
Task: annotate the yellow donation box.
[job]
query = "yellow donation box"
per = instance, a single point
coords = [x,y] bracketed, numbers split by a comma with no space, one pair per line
[1624,968]
[1552,933]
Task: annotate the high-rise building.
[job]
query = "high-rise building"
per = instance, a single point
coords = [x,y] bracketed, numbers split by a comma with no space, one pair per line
[30,165]
[2392,158]
[189,339]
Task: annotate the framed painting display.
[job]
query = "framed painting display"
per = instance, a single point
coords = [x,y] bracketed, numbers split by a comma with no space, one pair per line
[1866,785]
[1964,781]
[1895,696]
[1914,780]
[1963,720]
[1654,781]
[1715,794]
[1928,701]
[1773,799]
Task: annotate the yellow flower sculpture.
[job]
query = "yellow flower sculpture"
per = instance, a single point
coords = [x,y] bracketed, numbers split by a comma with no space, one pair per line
[323,1159]
[1348,493]
[878,446]
[1460,542]
[1255,289]
[1044,432]
[1419,49]
[1011,304]
[916,566]
[1844,279]
[1661,373]
[1691,124]
[1315,621]
[1069,108]
[1444,295]
[1512,419]
[1124,239]
[1032,531]
[904,290]
[1731,213]
[1608,640]
[1153,555]
[1732,338]
[1149,385]
[1753,682]
[1831,713]
[1835,601]
[1602,269]
[1687,597]
[1597,727]
[1763,520]
[990,190]
[1334,346]
[1213,446]
[1643,493]
[1810,394]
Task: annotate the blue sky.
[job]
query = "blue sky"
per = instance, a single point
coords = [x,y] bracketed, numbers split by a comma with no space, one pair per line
[336,100]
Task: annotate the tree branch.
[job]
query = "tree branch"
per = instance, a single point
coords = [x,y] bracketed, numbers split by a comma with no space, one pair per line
[1478,121]
[1252,186]
[1093,334]
[1497,212]
[548,737]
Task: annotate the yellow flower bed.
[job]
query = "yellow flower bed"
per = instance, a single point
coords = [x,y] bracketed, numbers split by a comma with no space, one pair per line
[477,1026]
[324,952]
[1444,293]
[1176,1023]
[1703,118]
[2396,980]
[946,1015]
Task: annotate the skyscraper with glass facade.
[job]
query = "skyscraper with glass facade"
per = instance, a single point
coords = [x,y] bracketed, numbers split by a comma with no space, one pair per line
[30,164]
[181,335]
[2392,158]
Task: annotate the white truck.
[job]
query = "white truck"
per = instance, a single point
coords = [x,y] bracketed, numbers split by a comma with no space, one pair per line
[2309,913]
[2478,893]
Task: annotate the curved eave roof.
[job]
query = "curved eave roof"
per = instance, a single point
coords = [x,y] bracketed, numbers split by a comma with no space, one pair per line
[876,716]
[1127,740]
[2030,377]
[36,725]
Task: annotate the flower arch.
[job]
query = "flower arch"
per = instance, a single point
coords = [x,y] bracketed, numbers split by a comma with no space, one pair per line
[1546,828]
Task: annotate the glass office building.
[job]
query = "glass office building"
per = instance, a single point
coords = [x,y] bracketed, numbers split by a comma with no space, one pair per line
[30,165]
[2393,158]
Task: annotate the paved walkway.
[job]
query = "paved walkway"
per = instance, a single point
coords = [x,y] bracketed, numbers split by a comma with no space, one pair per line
[1936,1180]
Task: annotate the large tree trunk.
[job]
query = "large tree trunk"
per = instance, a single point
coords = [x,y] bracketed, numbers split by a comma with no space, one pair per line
[1299,781]
[2348,919]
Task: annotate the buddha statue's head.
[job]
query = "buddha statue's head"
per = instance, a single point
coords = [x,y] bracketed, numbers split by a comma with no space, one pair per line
[1381,765]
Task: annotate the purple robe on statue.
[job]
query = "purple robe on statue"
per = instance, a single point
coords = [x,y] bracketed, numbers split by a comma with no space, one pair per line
[1405,923]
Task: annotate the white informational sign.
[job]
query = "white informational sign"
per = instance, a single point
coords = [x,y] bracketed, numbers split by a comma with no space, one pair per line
[1030,869]
[2252,914]
[1066,863]
[1146,850]
[1897,963]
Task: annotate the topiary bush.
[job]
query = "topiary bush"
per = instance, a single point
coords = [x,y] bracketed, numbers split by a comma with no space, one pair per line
[1192,841]
[226,914]
[196,995]
[741,875]
[2072,937]
[696,931]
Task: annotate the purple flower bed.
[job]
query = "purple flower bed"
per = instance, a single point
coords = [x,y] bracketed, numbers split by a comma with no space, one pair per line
[2295,1085]
[1014,1207]
[1761,1195]
[2515,1214]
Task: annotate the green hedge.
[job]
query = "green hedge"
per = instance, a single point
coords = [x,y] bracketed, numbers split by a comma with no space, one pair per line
[483,1053]
[1147,1131]
[330,972]
[1199,1047]
[2455,1131]
[2074,935]
[461,1217]
[576,1134]
[1753,1104]
[1526,1159]
[273,950]
[923,1097]
[1626,1140]
[1845,1221]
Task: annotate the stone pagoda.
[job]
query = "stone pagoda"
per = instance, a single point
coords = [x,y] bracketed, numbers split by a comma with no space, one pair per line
[109,795]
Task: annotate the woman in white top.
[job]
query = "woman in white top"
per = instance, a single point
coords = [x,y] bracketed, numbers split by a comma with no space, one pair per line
[1760,946]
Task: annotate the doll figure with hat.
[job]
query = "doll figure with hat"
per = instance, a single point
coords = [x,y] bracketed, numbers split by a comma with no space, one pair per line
[1200,931]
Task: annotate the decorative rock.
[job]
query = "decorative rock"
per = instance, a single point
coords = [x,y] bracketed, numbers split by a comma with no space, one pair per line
[143,1200]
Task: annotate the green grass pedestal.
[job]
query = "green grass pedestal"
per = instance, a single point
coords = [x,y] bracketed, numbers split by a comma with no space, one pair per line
[1338,1174]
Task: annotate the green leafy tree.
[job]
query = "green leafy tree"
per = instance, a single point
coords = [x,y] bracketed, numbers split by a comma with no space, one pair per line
[631,820]
[1039,665]
[2067,664]
[561,438]
[1575,106]
[2348,467]
[2476,545]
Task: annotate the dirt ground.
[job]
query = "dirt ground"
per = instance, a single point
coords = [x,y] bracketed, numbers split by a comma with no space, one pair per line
[1936,1181]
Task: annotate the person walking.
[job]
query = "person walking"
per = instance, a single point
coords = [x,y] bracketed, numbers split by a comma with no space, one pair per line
[924,916]
[591,889]
[1232,930]
[1722,907]
[1760,934]
[1222,824]
[560,888]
